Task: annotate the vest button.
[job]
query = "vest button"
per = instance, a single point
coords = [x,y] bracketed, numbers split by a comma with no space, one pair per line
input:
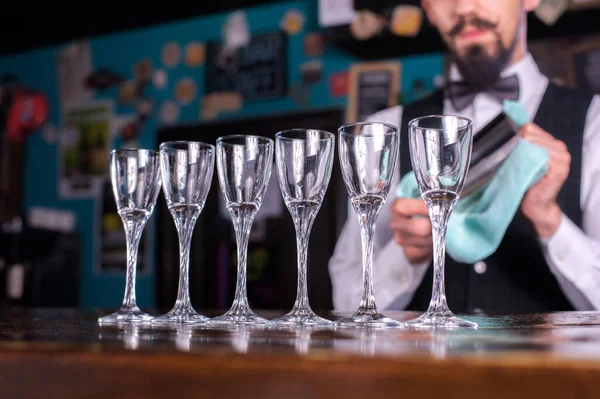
[480,267]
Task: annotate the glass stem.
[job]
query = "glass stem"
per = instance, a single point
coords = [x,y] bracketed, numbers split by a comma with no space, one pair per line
[439,212]
[242,217]
[304,217]
[367,231]
[133,223]
[185,220]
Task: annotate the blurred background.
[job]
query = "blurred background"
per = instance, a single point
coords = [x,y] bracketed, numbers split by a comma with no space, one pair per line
[78,82]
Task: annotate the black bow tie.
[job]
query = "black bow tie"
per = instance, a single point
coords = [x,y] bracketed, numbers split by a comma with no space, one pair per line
[461,94]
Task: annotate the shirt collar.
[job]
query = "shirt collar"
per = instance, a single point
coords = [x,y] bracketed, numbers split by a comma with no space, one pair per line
[526,70]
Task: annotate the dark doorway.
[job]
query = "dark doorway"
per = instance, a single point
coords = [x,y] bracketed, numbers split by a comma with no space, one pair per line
[272,270]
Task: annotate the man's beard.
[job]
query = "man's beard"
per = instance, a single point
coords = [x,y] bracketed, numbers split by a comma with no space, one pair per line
[479,69]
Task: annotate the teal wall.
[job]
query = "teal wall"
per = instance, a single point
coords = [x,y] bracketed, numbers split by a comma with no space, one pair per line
[119,52]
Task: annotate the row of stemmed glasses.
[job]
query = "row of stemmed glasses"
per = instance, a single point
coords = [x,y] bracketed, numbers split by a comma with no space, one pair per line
[440,148]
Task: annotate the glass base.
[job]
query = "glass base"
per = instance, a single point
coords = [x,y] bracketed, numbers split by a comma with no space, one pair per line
[368,318]
[442,320]
[238,317]
[180,315]
[302,318]
[126,315]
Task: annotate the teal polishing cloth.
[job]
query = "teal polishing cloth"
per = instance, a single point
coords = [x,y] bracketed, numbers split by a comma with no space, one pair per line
[516,112]
[479,220]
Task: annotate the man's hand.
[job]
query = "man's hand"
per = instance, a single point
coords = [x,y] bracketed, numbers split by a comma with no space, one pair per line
[539,203]
[414,234]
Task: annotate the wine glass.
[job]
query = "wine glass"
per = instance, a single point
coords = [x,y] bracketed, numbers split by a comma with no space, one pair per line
[440,152]
[244,164]
[135,179]
[368,155]
[304,162]
[187,171]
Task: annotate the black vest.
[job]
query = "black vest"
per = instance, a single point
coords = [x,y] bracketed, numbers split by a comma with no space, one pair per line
[517,278]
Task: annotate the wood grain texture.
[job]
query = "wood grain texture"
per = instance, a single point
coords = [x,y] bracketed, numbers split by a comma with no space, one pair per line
[65,354]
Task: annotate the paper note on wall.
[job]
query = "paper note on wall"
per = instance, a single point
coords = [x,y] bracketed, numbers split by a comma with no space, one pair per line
[74,65]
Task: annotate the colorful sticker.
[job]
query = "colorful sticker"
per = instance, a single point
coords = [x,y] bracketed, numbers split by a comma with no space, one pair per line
[127,92]
[195,54]
[365,25]
[144,107]
[142,70]
[338,84]
[169,112]
[159,79]
[185,91]
[171,54]
[314,44]
[292,22]
[406,20]
[311,72]
[119,123]
[213,104]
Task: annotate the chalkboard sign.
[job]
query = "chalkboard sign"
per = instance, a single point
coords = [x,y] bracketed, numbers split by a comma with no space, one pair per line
[257,71]
[373,87]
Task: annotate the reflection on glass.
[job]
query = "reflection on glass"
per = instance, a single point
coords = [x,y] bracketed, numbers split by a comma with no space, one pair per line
[302,341]
[135,179]
[183,338]
[240,340]
[440,150]
[244,168]
[368,156]
[304,162]
[187,170]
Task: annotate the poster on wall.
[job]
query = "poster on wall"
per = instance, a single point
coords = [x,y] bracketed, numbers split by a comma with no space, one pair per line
[85,140]
[73,66]
[373,86]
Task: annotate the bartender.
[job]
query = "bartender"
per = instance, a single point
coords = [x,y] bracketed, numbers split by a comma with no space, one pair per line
[549,258]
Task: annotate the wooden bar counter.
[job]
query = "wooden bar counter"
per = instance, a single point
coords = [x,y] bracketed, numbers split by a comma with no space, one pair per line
[64,353]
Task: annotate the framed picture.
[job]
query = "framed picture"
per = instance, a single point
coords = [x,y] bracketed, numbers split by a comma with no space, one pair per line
[373,86]
[84,147]
[583,69]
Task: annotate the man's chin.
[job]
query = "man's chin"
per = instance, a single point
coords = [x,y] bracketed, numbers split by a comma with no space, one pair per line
[476,51]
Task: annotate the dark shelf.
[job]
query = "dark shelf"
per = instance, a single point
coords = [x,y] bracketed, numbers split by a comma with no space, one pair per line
[386,45]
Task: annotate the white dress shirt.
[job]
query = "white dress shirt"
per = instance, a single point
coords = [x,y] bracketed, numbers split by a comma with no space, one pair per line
[572,254]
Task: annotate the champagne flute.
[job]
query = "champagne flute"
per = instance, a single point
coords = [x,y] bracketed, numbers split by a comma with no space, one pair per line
[368,155]
[440,152]
[244,164]
[187,171]
[304,162]
[135,179]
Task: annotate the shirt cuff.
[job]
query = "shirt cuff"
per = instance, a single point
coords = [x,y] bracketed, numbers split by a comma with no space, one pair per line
[569,252]
[395,276]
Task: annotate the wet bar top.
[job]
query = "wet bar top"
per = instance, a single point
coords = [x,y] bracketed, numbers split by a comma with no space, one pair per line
[64,353]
